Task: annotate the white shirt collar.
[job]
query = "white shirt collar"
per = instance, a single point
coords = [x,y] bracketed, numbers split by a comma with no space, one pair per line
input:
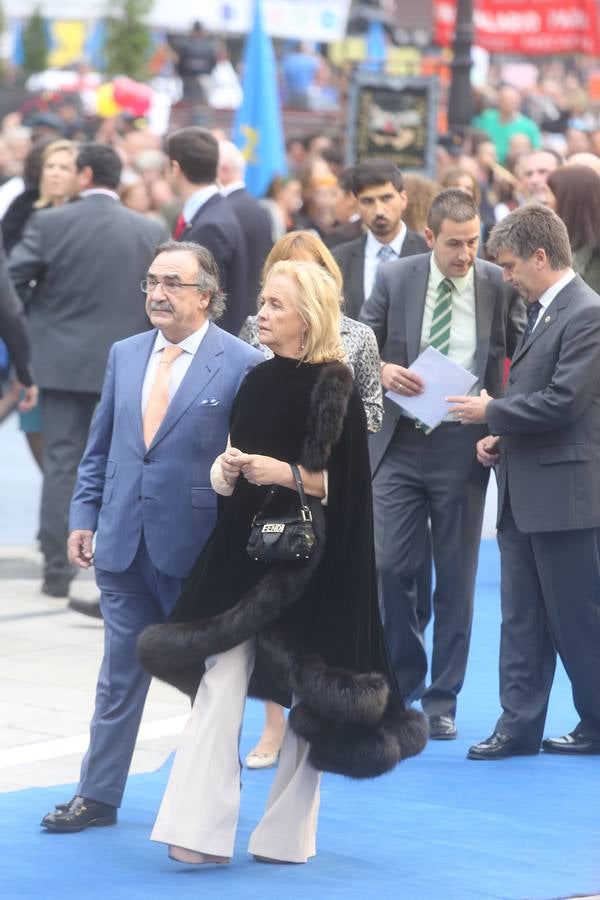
[436,277]
[193,203]
[189,344]
[548,296]
[105,191]
[227,189]
[373,246]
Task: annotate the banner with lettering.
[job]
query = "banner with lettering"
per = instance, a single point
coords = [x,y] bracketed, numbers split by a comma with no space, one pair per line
[534,27]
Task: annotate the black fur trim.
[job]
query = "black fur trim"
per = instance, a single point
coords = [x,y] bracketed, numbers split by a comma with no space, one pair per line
[334,693]
[357,751]
[340,695]
[328,407]
[175,651]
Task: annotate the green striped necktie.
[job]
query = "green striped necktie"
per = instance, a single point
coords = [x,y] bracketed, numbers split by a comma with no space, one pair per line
[441,322]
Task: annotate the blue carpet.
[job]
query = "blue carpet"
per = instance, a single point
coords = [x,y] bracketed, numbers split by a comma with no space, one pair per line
[438,828]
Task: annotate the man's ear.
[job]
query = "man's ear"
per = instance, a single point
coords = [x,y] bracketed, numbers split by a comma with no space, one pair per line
[85,177]
[429,237]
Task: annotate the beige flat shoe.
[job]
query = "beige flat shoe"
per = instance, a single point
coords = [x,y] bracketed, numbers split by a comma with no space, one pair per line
[192,857]
[256,760]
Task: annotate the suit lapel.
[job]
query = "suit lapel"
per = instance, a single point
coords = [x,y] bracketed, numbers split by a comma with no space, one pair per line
[547,319]
[484,312]
[414,305]
[134,371]
[206,361]
[357,276]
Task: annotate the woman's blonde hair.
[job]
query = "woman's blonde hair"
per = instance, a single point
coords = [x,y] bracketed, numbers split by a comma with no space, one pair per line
[318,305]
[54,147]
[307,244]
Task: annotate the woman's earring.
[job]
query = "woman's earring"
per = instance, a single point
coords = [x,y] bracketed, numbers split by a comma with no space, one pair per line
[302,333]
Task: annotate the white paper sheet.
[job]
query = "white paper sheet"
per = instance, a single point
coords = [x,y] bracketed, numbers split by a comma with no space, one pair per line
[442,378]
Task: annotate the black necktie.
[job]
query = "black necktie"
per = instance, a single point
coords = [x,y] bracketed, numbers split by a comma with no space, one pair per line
[532,314]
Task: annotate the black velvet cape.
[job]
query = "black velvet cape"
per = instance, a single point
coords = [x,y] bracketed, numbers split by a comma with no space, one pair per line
[317,626]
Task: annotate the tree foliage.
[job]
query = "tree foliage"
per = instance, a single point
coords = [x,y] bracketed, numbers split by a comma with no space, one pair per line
[35,44]
[128,42]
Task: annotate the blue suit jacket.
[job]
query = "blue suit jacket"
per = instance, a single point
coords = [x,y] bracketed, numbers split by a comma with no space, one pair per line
[164,492]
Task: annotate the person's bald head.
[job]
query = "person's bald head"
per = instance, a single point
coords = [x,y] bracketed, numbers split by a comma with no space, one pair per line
[585,159]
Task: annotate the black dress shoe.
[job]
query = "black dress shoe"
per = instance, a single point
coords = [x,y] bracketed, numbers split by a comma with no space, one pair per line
[56,587]
[80,814]
[499,746]
[86,607]
[574,743]
[442,728]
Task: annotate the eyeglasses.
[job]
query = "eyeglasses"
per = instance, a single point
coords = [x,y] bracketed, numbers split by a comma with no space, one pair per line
[169,283]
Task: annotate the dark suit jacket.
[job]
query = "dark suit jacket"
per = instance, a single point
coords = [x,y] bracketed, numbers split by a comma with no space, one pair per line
[88,258]
[549,421]
[255,223]
[216,227]
[395,313]
[351,259]
[12,324]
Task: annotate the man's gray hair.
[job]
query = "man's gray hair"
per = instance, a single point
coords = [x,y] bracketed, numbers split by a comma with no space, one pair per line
[208,273]
[530,228]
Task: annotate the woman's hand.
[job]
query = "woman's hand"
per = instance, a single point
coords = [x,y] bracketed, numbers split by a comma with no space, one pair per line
[258,469]
[231,464]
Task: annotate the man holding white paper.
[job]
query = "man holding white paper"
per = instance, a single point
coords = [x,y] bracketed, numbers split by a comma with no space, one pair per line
[457,304]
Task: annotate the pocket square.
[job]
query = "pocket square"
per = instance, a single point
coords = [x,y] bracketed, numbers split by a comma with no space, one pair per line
[210,401]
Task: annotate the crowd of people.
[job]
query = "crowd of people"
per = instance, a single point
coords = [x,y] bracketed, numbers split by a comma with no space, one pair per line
[199,354]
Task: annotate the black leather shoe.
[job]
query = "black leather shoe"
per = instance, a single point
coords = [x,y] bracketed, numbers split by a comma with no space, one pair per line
[56,587]
[442,728]
[80,814]
[86,607]
[574,743]
[499,746]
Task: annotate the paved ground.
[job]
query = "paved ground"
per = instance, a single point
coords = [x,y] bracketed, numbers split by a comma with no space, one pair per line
[49,656]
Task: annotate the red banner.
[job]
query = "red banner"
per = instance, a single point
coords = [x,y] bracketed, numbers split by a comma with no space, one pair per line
[535,27]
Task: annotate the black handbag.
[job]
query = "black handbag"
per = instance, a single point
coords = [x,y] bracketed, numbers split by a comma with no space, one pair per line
[283,538]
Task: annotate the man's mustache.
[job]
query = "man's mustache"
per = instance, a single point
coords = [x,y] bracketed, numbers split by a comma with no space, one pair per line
[160,306]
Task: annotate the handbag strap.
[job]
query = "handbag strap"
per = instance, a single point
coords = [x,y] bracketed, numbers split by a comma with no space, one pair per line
[300,487]
[304,507]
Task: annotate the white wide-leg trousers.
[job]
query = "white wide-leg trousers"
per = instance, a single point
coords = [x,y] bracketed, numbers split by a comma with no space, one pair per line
[200,808]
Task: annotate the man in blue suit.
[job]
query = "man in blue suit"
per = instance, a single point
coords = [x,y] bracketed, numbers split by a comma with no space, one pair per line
[143,488]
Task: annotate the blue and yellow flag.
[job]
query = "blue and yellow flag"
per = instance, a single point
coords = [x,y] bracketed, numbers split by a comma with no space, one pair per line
[257,129]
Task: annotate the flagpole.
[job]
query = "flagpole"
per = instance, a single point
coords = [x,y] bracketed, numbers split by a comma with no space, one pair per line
[460,102]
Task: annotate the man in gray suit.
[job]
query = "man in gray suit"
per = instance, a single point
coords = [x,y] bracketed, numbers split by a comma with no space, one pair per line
[87,258]
[546,443]
[143,487]
[381,201]
[14,333]
[420,474]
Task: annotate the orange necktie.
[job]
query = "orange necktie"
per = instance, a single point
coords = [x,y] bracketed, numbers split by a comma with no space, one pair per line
[158,399]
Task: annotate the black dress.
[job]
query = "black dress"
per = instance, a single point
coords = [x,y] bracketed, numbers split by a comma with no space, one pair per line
[317,626]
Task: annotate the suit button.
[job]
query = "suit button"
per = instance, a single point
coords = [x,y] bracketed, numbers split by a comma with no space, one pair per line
[146,461]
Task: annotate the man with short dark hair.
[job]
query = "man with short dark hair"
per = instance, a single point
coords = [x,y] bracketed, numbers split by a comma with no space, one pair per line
[144,488]
[208,219]
[455,302]
[381,200]
[87,258]
[545,441]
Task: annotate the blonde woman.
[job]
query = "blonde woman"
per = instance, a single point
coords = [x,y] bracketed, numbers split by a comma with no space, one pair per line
[303,633]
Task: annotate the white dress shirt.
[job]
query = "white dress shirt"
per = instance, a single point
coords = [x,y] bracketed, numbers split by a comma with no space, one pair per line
[548,296]
[179,366]
[193,203]
[372,248]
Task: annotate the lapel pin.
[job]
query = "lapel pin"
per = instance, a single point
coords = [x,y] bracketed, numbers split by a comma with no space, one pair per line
[547,319]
